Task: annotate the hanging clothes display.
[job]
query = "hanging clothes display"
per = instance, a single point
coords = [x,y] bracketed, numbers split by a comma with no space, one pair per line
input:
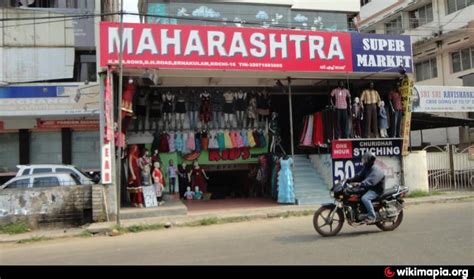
[204,141]
[171,140]
[228,140]
[191,144]
[305,128]
[262,139]
[221,140]
[197,140]
[234,139]
[213,143]
[185,149]
[308,138]
[286,192]
[245,141]
[318,135]
[179,142]
[164,145]
[251,139]
[256,137]
[214,155]
[205,114]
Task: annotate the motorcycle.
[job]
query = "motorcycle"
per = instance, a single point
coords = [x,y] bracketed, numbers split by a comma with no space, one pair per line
[329,218]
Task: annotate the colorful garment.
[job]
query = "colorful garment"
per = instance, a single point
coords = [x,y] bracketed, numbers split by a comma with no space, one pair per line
[309,132]
[263,140]
[185,149]
[286,193]
[221,141]
[213,143]
[197,195]
[243,135]
[164,145]
[252,108]
[197,140]
[205,114]
[318,136]
[179,142]
[240,140]
[191,144]
[189,195]
[256,138]
[204,141]
[172,147]
[198,179]
[228,140]
[251,139]
[233,138]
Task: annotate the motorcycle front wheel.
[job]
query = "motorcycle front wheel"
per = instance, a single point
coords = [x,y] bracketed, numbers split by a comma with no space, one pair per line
[390,225]
[322,223]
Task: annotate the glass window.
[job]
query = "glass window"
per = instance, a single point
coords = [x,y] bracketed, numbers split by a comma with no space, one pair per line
[309,20]
[46,182]
[421,16]
[45,148]
[394,27]
[86,149]
[466,59]
[62,170]
[426,70]
[460,4]
[42,170]
[9,152]
[88,68]
[456,5]
[19,184]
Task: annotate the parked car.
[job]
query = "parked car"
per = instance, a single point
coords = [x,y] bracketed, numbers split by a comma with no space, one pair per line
[84,178]
[42,180]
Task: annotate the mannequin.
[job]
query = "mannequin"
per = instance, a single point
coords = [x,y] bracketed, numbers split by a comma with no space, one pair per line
[217,100]
[155,110]
[229,99]
[383,122]
[275,132]
[134,177]
[128,96]
[146,177]
[172,176]
[155,157]
[205,114]
[168,100]
[141,108]
[159,182]
[180,109]
[286,192]
[188,195]
[198,175]
[183,178]
[370,99]
[340,99]
[263,108]
[240,107]
[357,117]
[193,106]
[145,160]
[395,101]
[197,193]
[252,111]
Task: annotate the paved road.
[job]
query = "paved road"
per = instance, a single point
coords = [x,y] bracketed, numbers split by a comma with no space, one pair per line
[430,234]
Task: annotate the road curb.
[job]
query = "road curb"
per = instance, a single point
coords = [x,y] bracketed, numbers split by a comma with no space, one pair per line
[200,220]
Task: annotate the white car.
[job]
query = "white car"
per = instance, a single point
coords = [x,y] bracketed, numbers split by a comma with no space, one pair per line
[38,169]
[42,180]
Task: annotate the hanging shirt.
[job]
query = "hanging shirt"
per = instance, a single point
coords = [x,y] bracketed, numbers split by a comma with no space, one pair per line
[341,95]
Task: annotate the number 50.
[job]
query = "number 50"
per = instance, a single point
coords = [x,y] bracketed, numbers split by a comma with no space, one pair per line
[343,170]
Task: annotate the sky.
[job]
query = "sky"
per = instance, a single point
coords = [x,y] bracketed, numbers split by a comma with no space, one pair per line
[132,7]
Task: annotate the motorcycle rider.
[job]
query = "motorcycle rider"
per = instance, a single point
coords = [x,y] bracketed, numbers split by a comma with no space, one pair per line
[372,180]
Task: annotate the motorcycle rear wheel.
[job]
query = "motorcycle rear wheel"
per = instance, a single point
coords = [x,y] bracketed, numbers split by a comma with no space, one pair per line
[322,214]
[390,225]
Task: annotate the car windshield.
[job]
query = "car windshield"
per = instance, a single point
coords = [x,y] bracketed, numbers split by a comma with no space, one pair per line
[85,174]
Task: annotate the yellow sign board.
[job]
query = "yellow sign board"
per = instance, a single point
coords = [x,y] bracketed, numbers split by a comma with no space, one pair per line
[406,89]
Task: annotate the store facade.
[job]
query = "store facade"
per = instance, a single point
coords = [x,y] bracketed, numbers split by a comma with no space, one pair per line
[185,67]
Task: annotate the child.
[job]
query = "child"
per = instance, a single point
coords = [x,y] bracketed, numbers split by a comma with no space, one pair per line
[197,193]
[172,176]
[383,121]
[159,183]
[189,195]
[357,117]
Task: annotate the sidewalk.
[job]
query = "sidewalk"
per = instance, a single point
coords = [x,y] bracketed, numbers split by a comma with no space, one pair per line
[217,216]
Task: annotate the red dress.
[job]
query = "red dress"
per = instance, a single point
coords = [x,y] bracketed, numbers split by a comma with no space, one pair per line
[127,98]
[136,198]
[198,179]
[206,110]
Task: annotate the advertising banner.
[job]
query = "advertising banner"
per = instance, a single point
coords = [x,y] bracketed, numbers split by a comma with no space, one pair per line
[443,98]
[347,158]
[251,49]
[71,123]
[406,89]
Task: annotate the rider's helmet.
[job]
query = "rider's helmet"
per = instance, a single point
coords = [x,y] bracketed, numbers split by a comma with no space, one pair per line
[368,159]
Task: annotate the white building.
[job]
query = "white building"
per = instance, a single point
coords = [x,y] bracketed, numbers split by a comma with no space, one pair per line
[443,47]
[46,54]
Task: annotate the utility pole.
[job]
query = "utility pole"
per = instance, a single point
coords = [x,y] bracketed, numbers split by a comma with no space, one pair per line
[118,157]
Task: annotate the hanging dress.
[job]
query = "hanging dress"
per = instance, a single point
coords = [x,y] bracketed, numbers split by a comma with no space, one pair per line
[185,149]
[233,139]
[179,142]
[164,145]
[243,135]
[197,142]
[198,179]
[191,144]
[205,114]
[318,136]
[256,138]
[251,139]
[263,140]
[227,140]
[213,143]
[308,138]
[204,141]
[172,147]
[305,128]
[221,141]
[286,193]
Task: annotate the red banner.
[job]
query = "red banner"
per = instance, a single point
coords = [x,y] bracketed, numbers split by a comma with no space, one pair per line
[109,133]
[224,48]
[72,123]
[341,149]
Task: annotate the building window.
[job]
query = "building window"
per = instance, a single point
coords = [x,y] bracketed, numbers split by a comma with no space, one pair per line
[394,27]
[421,16]
[364,2]
[426,70]
[86,149]
[45,148]
[462,60]
[87,67]
[456,5]
[9,152]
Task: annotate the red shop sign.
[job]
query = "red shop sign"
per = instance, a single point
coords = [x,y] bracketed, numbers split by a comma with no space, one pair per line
[74,123]
[225,48]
